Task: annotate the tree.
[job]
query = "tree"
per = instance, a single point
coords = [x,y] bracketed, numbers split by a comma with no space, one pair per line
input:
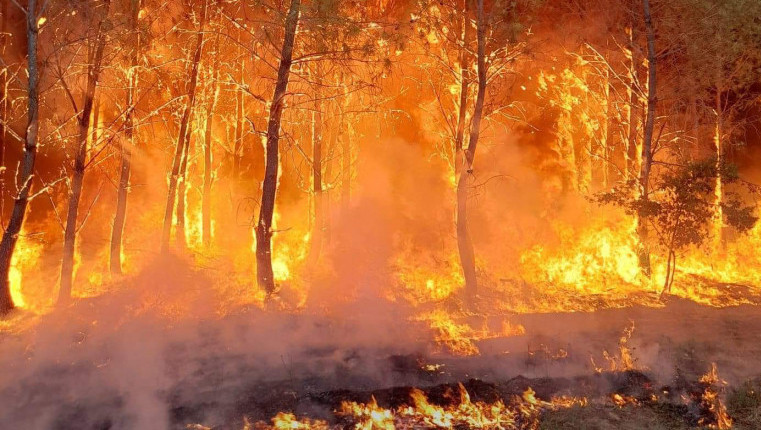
[94,65]
[464,241]
[211,101]
[685,216]
[26,175]
[263,230]
[723,53]
[682,213]
[647,144]
[496,47]
[176,193]
[127,144]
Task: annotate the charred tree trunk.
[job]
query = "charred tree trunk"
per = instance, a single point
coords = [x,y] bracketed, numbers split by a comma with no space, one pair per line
[127,146]
[464,242]
[183,137]
[80,163]
[24,182]
[647,153]
[264,274]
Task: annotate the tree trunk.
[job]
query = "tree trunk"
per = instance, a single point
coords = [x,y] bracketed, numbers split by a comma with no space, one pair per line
[239,112]
[207,158]
[464,242]
[127,146]
[183,136]
[78,175]
[319,209]
[647,153]
[179,234]
[329,160]
[346,139]
[632,153]
[24,184]
[605,136]
[95,123]
[464,84]
[264,274]
[3,101]
[718,221]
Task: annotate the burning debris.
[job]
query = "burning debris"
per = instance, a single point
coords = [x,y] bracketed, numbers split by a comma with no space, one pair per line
[521,412]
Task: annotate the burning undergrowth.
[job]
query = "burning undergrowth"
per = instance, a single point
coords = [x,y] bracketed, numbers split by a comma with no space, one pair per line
[160,350]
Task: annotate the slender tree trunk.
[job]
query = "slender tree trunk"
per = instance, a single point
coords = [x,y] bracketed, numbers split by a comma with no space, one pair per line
[604,131]
[179,234]
[718,221]
[346,139]
[264,274]
[80,163]
[207,159]
[319,210]
[127,146]
[647,153]
[3,101]
[239,121]
[329,160]
[95,124]
[183,137]
[25,176]
[459,160]
[464,242]
[632,148]
[583,149]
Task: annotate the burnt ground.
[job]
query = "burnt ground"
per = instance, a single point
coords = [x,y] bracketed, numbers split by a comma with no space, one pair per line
[672,347]
[172,380]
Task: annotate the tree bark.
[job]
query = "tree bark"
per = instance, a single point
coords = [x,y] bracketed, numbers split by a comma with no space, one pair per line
[647,153]
[464,241]
[183,137]
[264,274]
[127,146]
[25,177]
[80,163]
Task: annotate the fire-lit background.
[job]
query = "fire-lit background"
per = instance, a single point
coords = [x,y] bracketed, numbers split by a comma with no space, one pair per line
[419,177]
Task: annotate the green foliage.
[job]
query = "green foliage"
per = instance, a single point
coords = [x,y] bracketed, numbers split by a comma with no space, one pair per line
[682,205]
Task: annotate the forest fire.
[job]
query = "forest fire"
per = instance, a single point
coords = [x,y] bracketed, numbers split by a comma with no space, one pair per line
[297,214]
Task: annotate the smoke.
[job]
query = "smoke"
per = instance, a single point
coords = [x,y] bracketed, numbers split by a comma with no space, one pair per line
[185,340]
